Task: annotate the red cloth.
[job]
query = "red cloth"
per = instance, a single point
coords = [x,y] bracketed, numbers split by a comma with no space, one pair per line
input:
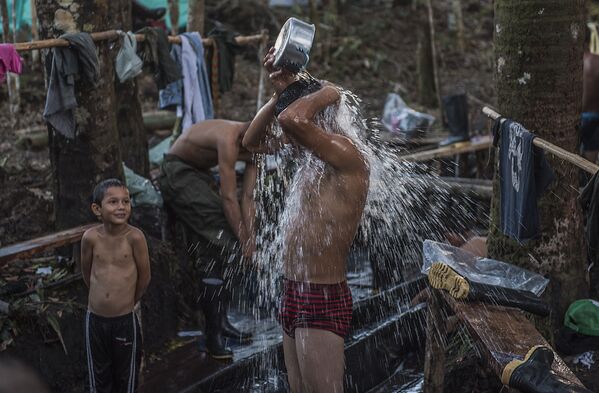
[316,306]
[10,61]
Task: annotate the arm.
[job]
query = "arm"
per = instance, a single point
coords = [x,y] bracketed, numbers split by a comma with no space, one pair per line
[256,138]
[248,206]
[142,262]
[87,252]
[297,121]
[228,151]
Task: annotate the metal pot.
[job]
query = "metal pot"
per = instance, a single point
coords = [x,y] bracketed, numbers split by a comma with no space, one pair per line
[293,45]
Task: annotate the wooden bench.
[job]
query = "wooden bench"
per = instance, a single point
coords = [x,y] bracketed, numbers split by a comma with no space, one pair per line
[502,334]
[31,247]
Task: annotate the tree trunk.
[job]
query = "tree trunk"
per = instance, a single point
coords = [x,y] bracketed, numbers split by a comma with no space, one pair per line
[94,154]
[132,133]
[538,60]
[195,16]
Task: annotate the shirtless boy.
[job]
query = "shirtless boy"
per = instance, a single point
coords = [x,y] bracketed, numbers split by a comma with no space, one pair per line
[316,307]
[116,268]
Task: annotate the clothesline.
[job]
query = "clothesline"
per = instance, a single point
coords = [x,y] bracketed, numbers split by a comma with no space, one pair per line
[112,35]
[553,149]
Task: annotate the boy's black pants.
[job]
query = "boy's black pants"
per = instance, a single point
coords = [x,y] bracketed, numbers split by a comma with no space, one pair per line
[114,348]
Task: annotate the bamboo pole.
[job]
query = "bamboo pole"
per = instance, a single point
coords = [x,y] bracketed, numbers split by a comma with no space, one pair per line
[261,54]
[431,24]
[112,35]
[553,149]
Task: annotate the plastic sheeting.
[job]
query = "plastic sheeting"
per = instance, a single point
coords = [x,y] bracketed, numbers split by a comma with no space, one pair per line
[482,270]
[142,190]
[400,119]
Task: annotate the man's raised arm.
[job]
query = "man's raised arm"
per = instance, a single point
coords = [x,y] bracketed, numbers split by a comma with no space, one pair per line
[228,151]
[297,122]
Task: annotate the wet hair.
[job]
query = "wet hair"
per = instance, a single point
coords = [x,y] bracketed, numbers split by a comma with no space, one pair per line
[100,189]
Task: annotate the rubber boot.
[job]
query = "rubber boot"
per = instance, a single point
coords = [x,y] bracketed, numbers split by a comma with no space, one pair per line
[441,276]
[213,310]
[534,374]
[227,329]
[456,113]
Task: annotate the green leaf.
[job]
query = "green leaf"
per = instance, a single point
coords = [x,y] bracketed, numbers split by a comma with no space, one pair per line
[54,323]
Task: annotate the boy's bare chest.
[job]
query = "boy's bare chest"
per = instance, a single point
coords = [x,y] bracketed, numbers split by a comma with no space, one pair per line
[114,252]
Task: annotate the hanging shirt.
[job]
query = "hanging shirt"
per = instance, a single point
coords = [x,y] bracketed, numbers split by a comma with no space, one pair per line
[204,82]
[10,61]
[227,48]
[155,54]
[172,94]
[524,176]
[69,64]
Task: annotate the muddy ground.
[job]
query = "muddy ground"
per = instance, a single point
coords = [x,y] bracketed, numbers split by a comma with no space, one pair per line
[373,53]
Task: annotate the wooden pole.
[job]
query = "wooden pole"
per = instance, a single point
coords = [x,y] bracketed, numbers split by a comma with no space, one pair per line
[35,56]
[173,8]
[112,35]
[12,80]
[431,24]
[195,16]
[434,358]
[459,21]
[261,54]
[553,149]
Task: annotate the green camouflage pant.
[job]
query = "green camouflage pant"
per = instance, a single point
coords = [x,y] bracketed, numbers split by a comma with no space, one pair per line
[192,196]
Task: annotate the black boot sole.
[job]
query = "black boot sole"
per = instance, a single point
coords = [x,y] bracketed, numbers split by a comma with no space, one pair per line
[511,367]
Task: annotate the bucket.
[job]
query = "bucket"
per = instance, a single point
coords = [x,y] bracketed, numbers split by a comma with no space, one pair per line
[293,45]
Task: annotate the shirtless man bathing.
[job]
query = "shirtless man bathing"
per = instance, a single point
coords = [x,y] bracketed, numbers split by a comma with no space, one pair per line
[316,307]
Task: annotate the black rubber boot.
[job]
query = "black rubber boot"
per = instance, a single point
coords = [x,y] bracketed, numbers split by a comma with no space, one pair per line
[210,300]
[456,114]
[534,374]
[441,276]
[231,331]
[227,329]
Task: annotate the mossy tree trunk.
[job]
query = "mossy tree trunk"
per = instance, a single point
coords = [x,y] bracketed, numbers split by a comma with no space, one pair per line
[538,68]
[94,154]
[132,133]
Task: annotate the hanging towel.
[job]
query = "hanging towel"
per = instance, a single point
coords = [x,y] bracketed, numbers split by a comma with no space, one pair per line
[172,94]
[69,64]
[10,61]
[155,54]
[524,176]
[193,107]
[196,42]
[227,48]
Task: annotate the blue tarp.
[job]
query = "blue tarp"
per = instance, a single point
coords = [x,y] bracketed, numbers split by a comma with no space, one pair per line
[23,11]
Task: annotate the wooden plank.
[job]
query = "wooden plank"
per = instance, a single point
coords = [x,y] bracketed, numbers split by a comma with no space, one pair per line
[504,334]
[448,151]
[48,242]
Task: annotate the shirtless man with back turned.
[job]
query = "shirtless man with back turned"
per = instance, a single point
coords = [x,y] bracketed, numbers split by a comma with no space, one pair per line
[316,307]
[218,224]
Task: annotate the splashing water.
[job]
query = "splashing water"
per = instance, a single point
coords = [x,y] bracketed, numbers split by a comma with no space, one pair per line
[405,203]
